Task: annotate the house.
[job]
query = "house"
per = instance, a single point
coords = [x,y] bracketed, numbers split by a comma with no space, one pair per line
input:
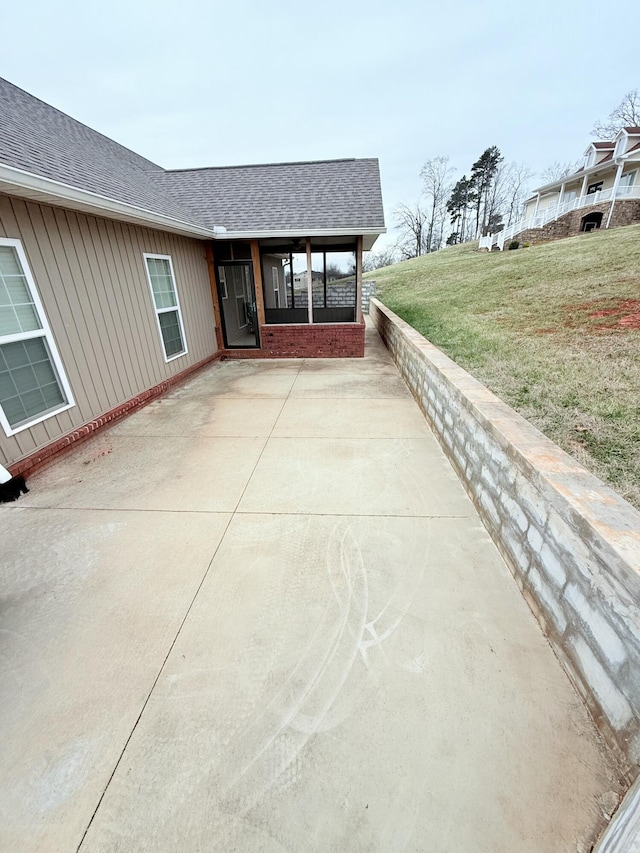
[603,193]
[118,277]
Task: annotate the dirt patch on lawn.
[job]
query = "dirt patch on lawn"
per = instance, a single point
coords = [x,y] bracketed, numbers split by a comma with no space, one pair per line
[608,314]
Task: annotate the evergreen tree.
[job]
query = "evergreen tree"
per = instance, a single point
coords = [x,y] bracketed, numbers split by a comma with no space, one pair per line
[483,173]
[462,198]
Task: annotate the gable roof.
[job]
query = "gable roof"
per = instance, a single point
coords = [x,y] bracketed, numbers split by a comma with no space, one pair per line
[605,145]
[284,197]
[39,139]
[49,156]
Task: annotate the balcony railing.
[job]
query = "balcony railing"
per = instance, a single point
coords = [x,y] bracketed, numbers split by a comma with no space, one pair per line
[555,211]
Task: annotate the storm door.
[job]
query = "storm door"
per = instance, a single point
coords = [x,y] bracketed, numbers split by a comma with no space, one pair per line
[237,295]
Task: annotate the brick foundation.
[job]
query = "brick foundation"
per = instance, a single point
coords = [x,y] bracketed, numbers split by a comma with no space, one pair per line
[30,464]
[318,340]
[322,340]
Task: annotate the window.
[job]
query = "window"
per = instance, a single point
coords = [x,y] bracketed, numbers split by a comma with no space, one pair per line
[167,305]
[33,386]
[595,188]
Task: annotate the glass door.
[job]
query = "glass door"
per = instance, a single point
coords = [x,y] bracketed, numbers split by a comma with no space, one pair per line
[237,295]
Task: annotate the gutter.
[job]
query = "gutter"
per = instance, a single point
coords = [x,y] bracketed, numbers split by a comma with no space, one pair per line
[314,232]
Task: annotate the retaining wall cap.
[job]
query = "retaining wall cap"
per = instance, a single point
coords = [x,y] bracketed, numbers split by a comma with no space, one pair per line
[608,515]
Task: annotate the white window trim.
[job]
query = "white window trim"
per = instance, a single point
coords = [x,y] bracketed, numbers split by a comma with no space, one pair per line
[46,333]
[159,311]
[275,280]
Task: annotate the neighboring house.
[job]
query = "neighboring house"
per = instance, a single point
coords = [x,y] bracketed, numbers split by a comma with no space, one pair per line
[118,278]
[604,193]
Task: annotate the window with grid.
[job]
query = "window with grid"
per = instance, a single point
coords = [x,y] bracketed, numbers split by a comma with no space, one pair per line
[165,300]
[32,381]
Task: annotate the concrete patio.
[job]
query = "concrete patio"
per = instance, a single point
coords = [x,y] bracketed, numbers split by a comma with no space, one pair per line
[262,614]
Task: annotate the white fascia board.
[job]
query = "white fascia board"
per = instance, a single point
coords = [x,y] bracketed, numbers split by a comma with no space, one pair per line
[65,194]
[301,232]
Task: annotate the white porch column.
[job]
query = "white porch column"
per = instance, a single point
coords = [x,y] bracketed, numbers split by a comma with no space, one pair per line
[614,191]
[561,197]
[535,212]
[583,191]
[309,280]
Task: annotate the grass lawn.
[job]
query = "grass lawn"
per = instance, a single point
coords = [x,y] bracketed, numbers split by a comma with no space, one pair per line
[554,330]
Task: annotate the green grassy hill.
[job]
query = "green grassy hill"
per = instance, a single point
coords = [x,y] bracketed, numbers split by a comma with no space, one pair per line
[554,330]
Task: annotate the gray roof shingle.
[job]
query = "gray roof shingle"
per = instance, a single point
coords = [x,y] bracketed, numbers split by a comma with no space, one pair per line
[282,196]
[41,140]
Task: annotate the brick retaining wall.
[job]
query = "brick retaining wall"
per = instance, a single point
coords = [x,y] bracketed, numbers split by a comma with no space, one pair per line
[572,543]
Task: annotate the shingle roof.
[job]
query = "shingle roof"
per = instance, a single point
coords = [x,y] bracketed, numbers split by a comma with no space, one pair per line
[282,196]
[634,131]
[41,140]
[606,145]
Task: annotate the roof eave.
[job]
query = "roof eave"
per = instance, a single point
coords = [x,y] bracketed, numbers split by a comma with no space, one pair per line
[15,181]
[369,235]
[599,167]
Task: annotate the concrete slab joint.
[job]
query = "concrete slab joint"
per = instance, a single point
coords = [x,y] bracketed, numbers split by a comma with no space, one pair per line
[261,613]
[565,535]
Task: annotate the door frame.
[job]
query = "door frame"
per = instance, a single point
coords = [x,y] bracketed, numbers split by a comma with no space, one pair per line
[228,297]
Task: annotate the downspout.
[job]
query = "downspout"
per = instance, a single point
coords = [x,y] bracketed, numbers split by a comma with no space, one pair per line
[614,190]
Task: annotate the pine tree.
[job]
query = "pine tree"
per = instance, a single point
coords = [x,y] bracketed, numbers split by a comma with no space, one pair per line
[483,173]
[461,200]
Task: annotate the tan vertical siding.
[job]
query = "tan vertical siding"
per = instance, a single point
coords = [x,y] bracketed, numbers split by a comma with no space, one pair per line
[90,274]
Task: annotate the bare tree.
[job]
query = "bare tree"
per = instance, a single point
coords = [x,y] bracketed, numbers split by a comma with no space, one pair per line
[411,222]
[559,170]
[376,260]
[437,184]
[626,114]
[515,178]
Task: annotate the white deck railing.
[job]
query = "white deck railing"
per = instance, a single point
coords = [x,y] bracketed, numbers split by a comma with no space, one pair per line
[554,211]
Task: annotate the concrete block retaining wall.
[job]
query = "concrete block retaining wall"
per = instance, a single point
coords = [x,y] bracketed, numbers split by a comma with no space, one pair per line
[571,542]
[338,296]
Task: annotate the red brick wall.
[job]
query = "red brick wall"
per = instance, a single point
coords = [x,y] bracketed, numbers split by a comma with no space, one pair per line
[318,340]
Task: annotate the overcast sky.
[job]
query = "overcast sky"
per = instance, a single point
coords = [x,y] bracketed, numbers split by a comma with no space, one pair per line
[192,83]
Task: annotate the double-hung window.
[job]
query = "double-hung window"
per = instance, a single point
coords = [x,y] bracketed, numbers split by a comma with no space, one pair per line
[33,385]
[165,299]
